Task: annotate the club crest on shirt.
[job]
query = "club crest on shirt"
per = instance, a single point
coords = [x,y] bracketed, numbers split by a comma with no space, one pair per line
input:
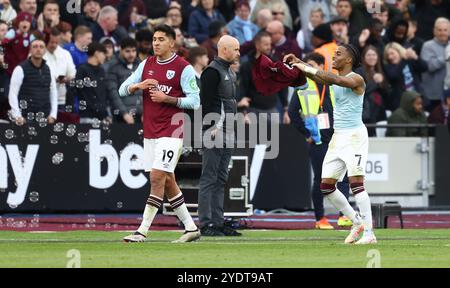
[170,74]
[150,72]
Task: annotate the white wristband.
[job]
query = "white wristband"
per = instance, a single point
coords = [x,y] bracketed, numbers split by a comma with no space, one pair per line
[311,70]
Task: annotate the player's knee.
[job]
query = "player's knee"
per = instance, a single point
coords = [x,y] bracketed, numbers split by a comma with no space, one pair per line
[327,188]
[157,180]
[357,187]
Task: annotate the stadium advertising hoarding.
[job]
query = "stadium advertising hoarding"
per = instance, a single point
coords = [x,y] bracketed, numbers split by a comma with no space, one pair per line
[81,168]
[71,168]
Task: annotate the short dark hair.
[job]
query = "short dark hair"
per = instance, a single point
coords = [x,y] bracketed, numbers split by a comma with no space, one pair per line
[50,2]
[166,29]
[94,47]
[64,27]
[55,31]
[52,32]
[174,8]
[195,52]
[316,57]
[87,1]
[354,53]
[215,27]
[144,35]
[128,43]
[260,35]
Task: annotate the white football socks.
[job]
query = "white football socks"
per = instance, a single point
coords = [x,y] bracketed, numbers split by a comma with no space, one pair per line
[152,207]
[363,202]
[341,204]
[180,209]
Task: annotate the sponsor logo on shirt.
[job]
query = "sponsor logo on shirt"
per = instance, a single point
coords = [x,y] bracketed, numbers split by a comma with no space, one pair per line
[164,88]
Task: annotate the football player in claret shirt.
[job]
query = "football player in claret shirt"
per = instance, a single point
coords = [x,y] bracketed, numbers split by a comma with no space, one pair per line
[169,86]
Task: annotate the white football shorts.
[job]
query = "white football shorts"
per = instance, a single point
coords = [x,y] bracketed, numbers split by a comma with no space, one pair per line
[347,151]
[162,153]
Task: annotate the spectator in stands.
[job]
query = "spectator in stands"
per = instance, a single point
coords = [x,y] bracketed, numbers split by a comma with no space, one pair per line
[78,49]
[241,27]
[402,68]
[344,10]
[280,43]
[323,43]
[91,9]
[339,27]
[383,17]
[7,12]
[440,114]
[16,44]
[397,32]
[174,18]
[371,36]
[91,86]
[433,54]
[187,7]
[49,17]
[109,46]
[108,26]
[262,4]
[32,82]
[198,58]
[4,81]
[29,6]
[409,112]
[377,88]
[66,33]
[427,11]
[227,7]
[316,17]
[447,77]
[180,47]
[415,41]
[126,8]
[201,18]
[61,65]
[157,8]
[263,18]
[251,100]
[278,13]
[305,8]
[3,30]
[144,39]
[216,30]
[129,108]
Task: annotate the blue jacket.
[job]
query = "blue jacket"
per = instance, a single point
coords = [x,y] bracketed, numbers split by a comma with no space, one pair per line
[199,22]
[236,29]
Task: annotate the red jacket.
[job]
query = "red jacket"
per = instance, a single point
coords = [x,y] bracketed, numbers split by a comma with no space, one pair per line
[16,50]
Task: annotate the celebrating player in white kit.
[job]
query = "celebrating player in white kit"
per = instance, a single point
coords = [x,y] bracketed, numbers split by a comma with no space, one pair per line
[349,145]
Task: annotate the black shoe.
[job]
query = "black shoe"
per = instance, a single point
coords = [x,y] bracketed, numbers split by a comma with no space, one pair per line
[228,231]
[211,231]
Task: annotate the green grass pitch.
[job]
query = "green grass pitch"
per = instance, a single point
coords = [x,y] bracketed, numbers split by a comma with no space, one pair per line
[255,249]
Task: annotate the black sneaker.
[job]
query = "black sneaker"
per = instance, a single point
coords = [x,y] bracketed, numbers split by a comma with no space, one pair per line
[228,231]
[211,231]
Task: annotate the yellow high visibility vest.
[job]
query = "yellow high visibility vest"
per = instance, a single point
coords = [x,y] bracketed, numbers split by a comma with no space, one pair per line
[310,98]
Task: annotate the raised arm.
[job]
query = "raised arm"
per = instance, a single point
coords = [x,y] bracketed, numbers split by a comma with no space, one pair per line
[354,81]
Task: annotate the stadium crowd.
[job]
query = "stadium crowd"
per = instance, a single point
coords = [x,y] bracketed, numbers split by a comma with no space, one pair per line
[67,59]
